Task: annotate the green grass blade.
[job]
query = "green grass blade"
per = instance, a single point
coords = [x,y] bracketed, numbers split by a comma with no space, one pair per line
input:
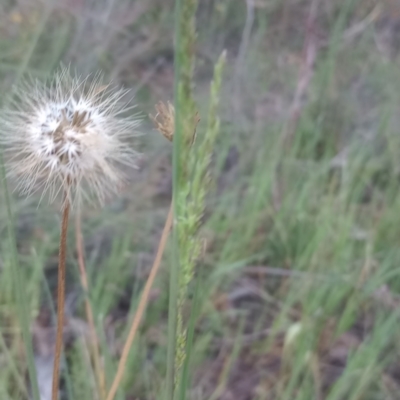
[18,279]
[185,379]
[174,269]
[19,286]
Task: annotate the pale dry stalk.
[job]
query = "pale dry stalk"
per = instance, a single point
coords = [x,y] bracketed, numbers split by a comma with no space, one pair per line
[164,123]
[141,307]
[60,297]
[88,310]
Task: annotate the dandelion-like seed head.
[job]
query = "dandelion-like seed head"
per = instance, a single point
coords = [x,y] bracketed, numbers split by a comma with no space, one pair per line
[69,136]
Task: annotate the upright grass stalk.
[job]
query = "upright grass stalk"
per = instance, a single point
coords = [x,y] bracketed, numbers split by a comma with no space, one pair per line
[18,280]
[60,297]
[190,241]
[185,129]
[184,113]
[190,185]
[19,285]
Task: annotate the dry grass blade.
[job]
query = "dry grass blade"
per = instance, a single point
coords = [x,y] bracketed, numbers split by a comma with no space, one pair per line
[141,307]
[89,312]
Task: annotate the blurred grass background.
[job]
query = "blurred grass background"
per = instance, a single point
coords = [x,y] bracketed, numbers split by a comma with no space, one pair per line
[299,282]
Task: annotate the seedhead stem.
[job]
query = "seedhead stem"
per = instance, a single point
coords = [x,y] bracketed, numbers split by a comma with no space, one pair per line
[60,297]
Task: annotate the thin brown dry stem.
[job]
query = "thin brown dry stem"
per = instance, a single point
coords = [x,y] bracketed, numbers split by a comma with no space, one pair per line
[60,298]
[141,307]
[101,380]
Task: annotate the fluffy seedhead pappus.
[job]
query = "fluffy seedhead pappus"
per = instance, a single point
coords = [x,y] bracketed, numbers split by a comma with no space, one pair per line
[69,135]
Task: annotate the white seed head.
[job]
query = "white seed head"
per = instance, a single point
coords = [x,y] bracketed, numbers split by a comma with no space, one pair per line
[68,136]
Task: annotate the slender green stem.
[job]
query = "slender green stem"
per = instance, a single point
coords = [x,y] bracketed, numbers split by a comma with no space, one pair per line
[172,318]
[190,339]
[19,287]
[174,270]
[18,280]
